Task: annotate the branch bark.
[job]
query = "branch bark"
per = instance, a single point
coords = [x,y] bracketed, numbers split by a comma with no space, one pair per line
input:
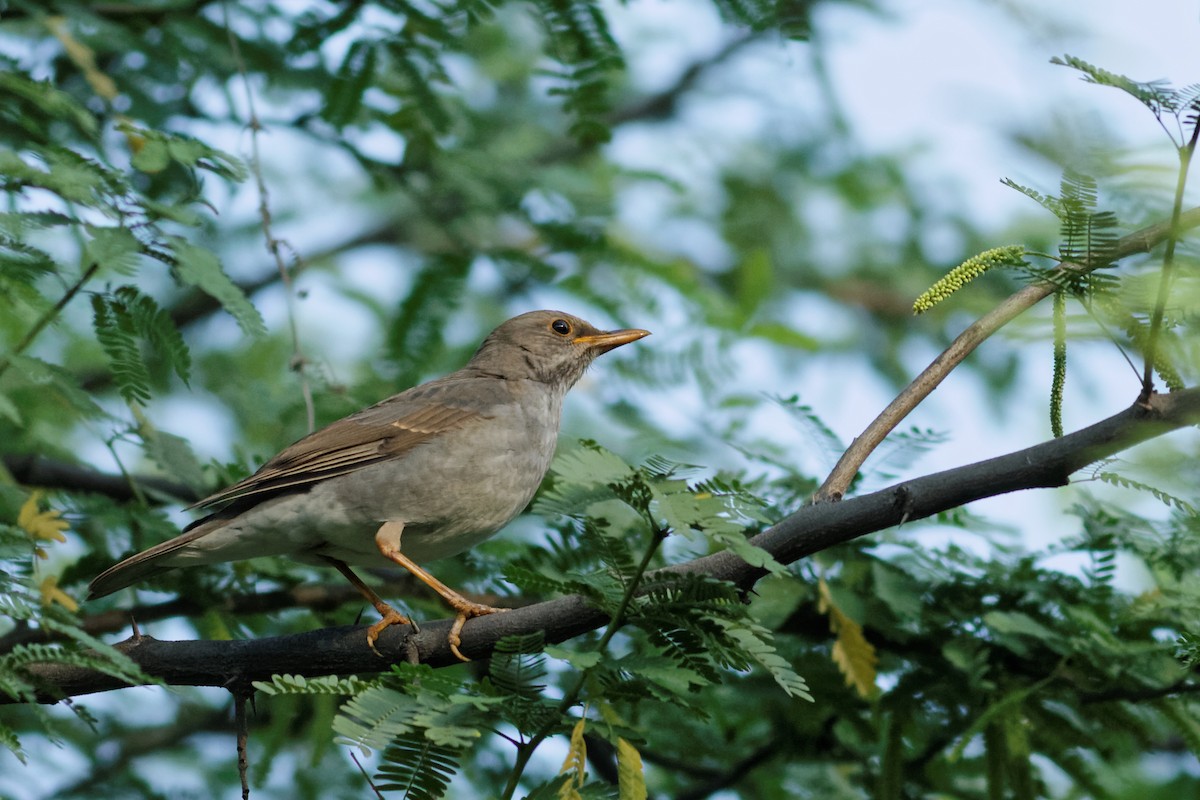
[864,444]
[343,650]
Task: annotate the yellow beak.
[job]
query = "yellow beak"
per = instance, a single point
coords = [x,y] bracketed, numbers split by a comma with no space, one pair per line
[603,342]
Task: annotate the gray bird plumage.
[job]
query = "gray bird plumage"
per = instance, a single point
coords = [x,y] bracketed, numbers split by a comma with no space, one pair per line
[442,466]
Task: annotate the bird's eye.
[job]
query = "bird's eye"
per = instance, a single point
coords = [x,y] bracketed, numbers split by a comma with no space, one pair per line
[561,327]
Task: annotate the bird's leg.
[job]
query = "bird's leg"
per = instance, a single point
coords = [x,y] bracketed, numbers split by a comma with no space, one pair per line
[390,615]
[387,538]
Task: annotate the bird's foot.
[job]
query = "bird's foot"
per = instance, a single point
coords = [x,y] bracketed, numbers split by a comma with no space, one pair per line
[390,617]
[466,610]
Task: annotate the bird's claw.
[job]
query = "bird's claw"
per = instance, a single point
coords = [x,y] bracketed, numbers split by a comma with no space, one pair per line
[466,610]
[390,617]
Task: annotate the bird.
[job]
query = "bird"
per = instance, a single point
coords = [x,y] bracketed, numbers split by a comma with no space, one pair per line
[422,475]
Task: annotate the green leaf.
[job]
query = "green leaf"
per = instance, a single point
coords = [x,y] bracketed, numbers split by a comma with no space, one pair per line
[898,590]
[298,684]
[152,156]
[114,248]
[60,381]
[589,464]
[579,660]
[198,267]
[345,95]
[376,717]
[778,333]
[418,767]
[48,100]
[9,409]
[757,642]
[116,335]
[755,280]
[156,327]
[154,150]
[1013,625]
[174,454]
[8,738]
[1155,95]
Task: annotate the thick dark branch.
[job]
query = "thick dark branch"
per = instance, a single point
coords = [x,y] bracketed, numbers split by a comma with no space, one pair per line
[314,597]
[343,650]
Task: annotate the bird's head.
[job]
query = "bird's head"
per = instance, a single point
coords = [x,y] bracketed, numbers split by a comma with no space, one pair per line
[548,346]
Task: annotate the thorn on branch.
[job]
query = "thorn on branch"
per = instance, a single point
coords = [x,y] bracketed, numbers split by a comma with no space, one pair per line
[905,502]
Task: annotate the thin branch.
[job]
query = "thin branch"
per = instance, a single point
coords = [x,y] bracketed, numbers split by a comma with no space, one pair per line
[1168,269]
[48,317]
[663,105]
[343,650]
[1139,695]
[241,696]
[274,245]
[848,465]
[734,774]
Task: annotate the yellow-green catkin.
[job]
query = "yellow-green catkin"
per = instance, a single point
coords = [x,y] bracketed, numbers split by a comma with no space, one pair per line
[1059,381]
[966,272]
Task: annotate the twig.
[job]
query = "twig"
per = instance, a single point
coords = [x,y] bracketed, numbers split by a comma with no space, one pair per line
[240,696]
[1168,268]
[274,245]
[48,317]
[848,465]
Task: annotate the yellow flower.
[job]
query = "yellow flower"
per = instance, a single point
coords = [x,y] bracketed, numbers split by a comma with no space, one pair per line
[42,525]
[52,594]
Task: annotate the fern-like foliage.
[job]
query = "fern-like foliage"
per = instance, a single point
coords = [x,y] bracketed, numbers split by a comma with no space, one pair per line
[1088,235]
[417,768]
[298,684]
[125,320]
[1158,96]
[22,603]
[588,59]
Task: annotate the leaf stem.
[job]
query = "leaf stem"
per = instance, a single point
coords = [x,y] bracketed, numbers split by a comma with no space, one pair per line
[1164,283]
[48,317]
[525,750]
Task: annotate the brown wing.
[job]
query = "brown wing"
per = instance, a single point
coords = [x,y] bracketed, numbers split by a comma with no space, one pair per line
[375,434]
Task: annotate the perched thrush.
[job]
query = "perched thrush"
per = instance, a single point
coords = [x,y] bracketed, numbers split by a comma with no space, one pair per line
[425,474]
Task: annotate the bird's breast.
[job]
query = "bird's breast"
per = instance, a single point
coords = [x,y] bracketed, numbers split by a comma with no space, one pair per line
[461,486]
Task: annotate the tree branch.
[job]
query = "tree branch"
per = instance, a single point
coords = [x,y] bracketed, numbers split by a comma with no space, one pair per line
[34,470]
[865,443]
[343,650]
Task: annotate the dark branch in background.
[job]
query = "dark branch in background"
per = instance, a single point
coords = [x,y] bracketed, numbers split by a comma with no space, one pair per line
[343,650]
[196,305]
[664,104]
[32,470]
[864,444]
[151,741]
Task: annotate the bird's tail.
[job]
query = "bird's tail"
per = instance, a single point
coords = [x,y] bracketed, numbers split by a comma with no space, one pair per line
[119,576]
[145,564]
